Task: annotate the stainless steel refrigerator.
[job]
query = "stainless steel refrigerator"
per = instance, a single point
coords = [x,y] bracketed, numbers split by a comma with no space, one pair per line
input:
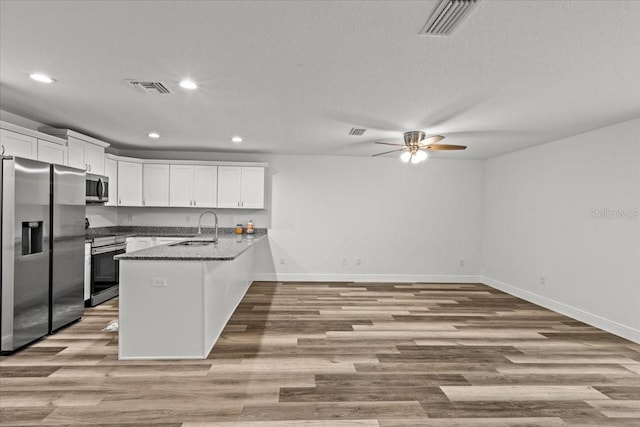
[42,268]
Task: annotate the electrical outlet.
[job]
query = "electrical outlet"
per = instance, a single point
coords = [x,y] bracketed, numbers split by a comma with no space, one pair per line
[461,263]
[281,261]
[159,282]
[358,261]
[129,217]
[543,281]
[344,261]
[188,219]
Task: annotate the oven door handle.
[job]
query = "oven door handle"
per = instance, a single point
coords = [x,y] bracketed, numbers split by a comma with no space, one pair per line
[107,249]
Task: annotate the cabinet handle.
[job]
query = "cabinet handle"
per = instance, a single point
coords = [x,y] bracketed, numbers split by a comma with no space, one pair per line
[144,202]
[119,201]
[89,168]
[194,203]
[2,150]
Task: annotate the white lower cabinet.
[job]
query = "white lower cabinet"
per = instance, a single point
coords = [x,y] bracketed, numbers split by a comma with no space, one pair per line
[137,243]
[155,185]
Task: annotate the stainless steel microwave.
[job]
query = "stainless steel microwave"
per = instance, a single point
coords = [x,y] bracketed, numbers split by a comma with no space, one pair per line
[97,188]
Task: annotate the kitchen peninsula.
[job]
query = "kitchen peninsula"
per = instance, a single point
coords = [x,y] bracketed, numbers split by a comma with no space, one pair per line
[175,299]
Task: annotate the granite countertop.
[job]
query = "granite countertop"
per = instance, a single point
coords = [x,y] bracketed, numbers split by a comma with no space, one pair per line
[227,248]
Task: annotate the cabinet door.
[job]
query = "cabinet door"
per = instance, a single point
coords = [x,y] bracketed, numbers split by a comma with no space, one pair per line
[155,185]
[229,186]
[52,153]
[181,185]
[75,153]
[16,144]
[94,158]
[111,171]
[205,186]
[252,188]
[129,184]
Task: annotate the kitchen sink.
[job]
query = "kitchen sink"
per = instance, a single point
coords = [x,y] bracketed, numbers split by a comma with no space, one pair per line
[193,243]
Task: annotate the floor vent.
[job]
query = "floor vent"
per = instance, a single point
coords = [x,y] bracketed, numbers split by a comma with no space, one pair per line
[149,88]
[357,131]
[447,16]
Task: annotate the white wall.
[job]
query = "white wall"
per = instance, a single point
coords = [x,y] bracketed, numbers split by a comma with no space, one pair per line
[403,222]
[539,220]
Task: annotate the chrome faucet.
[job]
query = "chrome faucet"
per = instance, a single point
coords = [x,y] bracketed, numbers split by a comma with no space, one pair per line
[200,223]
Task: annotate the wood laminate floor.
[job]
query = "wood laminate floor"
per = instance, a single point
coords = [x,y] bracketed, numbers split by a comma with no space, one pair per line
[319,354]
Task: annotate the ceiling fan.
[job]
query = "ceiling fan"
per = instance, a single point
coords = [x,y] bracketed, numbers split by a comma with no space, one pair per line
[416,145]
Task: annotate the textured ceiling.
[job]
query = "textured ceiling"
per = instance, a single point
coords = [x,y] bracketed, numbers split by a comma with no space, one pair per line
[294,77]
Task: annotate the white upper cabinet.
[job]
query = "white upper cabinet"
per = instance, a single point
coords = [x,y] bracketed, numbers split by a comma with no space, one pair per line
[94,156]
[252,188]
[155,188]
[83,152]
[111,171]
[181,185]
[51,152]
[129,183]
[17,144]
[193,186]
[229,186]
[205,186]
[240,187]
[75,154]
[84,155]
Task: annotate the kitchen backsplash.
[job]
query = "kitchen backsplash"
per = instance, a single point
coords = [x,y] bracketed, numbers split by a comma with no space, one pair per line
[107,216]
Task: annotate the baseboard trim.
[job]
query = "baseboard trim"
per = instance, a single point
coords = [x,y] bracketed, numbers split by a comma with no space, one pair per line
[611,326]
[366,278]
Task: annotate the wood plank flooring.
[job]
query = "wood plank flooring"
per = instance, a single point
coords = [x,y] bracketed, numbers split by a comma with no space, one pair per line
[340,354]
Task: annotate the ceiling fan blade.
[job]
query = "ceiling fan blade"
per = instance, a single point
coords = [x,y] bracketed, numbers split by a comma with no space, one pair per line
[388,143]
[432,139]
[444,147]
[387,152]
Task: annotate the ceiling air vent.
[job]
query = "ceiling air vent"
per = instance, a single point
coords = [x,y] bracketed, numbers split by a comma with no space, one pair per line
[149,88]
[447,16]
[357,131]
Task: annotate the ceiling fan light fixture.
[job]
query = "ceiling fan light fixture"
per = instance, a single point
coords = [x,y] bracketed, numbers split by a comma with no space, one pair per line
[421,155]
[415,160]
[406,156]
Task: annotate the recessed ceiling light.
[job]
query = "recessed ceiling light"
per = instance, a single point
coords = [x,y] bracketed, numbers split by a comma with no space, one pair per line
[236,139]
[188,84]
[154,135]
[42,78]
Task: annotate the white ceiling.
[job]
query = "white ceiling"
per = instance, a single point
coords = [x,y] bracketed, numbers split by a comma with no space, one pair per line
[294,77]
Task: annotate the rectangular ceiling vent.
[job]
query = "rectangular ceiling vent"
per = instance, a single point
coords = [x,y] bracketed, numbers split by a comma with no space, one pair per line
[149,88]
[447,16]
[357,131]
